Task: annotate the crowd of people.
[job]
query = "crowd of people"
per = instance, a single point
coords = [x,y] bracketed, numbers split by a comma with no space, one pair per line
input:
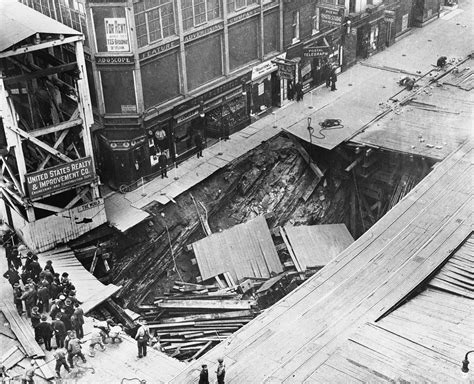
[48,299]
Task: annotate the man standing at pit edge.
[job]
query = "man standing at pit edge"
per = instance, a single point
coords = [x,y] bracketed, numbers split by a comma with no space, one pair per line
[142,337]
[220,371]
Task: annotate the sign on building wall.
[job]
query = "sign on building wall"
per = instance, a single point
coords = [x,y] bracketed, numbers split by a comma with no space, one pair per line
[59,178]
[316,52]
[116,34]
[329,17]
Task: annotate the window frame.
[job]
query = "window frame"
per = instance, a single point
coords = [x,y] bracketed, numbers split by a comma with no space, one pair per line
[146,13]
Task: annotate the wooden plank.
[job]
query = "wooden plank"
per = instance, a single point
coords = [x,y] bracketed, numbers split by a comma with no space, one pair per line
[296,263]
[208,316]
[206,304]
[22,331]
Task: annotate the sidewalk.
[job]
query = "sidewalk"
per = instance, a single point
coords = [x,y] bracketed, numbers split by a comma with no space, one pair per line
[361,90]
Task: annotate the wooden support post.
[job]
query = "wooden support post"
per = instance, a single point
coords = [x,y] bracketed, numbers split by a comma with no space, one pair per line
[56,128]
[56,145]
[12,175]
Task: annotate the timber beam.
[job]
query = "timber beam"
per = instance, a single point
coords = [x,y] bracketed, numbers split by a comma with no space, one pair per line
[41,73]
[55,128]
[40,144]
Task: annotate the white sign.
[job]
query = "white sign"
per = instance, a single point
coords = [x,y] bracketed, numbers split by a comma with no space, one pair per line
[116,34]
[265,68]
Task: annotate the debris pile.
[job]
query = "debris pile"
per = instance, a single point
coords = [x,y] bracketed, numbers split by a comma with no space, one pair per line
[192,318]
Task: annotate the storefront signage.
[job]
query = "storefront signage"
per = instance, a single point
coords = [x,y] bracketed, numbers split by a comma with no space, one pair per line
[116,34]
[114,60]
[286,70]
[265,68]
[157,50]
[203,32]
[316,52]
[213,93]
[128,108]
[59,178]
[244,15]
[389,16]
[187,116]
[330,17]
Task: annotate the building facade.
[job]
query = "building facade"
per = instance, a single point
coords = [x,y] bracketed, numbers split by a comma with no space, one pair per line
[163,70]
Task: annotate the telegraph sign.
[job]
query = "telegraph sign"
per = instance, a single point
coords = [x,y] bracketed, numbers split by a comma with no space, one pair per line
[316,51]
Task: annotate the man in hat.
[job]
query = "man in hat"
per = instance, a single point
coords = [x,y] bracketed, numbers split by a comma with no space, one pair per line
[142,337]
[220,371]
[35,268]
[333,78]
[204,375]
[59,331]
[60,356]
[17,295]
[45,331]
[79,316]
[29,297]
[28,376]
[43,297]
[49,267]
[74,349]
[15,258]
[95,339]
[116,333]
[163,162]
[35,320]
[65,318]
[12,275]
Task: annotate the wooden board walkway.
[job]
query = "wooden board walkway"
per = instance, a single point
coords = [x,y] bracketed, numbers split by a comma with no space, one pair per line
[245,250]
[291,341]
[89,290]
[433,124]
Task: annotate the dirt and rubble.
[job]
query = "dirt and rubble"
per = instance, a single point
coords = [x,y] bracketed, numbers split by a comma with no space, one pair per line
[358,187]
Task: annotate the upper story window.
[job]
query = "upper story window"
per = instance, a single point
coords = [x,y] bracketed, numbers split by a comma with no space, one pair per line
[154,20]
[69,12]
[237,5]
[198,12]
[296,27]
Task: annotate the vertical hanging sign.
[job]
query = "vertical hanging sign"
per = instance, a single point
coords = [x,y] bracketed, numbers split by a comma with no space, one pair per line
[116,34]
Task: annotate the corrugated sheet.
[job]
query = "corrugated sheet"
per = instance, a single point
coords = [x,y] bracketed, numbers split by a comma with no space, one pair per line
[44,234]
[245,250]
[18,22]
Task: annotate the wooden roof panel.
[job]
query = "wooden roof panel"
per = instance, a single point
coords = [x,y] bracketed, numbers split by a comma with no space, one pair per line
[245,250]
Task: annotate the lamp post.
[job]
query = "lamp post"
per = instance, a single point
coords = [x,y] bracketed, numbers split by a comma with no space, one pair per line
[465,363]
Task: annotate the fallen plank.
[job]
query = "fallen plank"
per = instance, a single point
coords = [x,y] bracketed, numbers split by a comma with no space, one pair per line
[201,350]
[206,304]
[208,316]
[290,250]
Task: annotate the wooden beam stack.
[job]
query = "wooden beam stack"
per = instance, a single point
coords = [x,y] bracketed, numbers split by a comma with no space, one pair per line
[192,318]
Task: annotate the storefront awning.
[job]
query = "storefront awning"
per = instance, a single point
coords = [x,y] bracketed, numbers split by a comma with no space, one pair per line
[19,22]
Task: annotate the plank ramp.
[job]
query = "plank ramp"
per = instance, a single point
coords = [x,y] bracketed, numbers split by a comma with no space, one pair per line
[433,124]
[291,341]
[90,291]
[245,250]
[315,245]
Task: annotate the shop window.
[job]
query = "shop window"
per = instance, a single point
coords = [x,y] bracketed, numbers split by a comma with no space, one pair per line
[237,5]
[374,35]
[154,21]
[198,12]
[295,25]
